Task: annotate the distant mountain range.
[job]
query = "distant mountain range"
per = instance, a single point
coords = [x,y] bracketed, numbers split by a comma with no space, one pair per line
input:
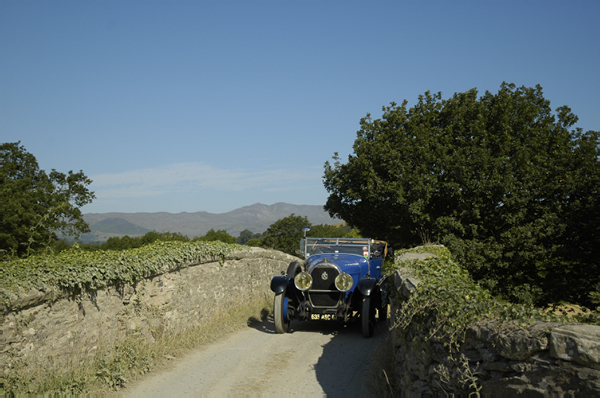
[255,218]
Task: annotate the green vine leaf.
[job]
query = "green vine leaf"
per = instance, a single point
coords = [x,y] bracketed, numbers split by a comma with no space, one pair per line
[76,271]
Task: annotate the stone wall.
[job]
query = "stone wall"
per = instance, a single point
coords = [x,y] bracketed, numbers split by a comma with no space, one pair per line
[40,331]
[542,359]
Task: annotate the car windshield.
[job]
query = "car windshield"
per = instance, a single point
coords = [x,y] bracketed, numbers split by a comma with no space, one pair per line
[357,246]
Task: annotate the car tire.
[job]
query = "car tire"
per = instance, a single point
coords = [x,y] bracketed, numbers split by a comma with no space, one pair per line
[294,269]
[367,316]
[282,324]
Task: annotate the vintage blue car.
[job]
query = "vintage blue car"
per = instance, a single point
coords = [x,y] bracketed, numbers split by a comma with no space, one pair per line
[341,280]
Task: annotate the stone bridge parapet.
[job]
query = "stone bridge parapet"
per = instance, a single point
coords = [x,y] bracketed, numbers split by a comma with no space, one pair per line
[545,359]
[40,330]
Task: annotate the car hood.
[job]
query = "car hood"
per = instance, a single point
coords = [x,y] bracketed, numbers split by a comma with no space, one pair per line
[349,263]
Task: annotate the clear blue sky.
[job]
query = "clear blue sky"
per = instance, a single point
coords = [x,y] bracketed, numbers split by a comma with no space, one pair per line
[213,105]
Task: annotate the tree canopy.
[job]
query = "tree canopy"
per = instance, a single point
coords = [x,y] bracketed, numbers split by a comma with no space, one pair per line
[285,234]
[220,235]
[35,206]
[246,235]
[508,185]
[328,231]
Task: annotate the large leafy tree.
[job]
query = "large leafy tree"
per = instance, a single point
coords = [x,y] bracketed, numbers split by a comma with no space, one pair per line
[35,206]
[506,183]
[285,234]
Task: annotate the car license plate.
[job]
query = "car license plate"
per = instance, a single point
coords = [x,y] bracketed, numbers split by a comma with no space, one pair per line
[323,317]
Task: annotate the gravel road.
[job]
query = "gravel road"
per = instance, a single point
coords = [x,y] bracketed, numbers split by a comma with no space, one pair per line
[314,359]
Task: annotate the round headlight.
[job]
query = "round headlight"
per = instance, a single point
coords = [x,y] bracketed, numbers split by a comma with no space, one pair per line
[303,281]
[344,282]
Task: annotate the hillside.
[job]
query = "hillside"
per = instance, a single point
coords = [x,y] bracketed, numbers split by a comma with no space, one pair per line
[119,226]
[255,218]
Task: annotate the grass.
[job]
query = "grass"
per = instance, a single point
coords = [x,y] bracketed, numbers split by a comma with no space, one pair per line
[129,360]
[382,378]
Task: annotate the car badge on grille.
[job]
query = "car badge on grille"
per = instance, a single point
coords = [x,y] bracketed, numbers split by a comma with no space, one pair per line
[324,276]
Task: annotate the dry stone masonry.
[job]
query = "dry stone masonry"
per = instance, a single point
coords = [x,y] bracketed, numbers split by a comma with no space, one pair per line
[41,331]
[543,359]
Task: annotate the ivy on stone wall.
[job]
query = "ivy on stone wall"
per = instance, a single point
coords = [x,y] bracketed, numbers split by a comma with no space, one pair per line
[450,301]
[76,270]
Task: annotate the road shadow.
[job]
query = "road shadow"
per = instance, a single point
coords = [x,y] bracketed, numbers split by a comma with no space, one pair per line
[347,364]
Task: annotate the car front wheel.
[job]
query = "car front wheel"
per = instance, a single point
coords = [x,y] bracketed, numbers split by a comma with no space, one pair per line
[294,269]
[282,324]
[367,316]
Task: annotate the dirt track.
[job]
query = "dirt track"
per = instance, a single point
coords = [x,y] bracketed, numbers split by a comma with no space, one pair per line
[314,359]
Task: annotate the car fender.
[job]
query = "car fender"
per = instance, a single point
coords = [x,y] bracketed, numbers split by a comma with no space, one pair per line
[367,286]
[384,289]
[280,283]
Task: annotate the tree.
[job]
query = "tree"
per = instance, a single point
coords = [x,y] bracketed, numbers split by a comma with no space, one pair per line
[121,243]
[255,242]
[220,235]
[168,236]
[35,206]
[501,180]
[150,237]
[285,234]
[247,235]
[329,231]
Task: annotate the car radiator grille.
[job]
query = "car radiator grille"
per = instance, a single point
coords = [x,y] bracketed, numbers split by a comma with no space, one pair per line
[330,299]
[326,295]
